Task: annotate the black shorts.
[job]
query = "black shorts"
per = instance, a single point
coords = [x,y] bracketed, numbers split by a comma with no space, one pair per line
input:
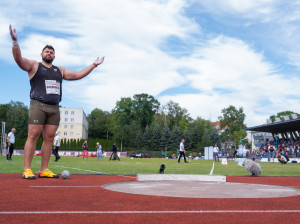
[40,113]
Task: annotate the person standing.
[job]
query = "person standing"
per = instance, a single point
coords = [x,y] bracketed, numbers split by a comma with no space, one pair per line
[85,148]
[162,154]
[99,151]
[10,144]
[45,94]
[216,153]
[272,150]
[56,145]
[114,154]
[182,151]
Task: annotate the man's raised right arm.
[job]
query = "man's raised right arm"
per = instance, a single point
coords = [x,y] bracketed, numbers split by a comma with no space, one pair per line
[23,63]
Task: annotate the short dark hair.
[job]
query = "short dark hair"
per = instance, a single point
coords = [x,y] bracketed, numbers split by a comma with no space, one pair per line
[49,47]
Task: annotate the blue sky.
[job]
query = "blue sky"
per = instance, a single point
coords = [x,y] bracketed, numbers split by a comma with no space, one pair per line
[205,55]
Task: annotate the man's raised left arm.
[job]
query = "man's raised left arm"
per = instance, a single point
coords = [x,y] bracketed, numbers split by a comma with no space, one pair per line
[73,75]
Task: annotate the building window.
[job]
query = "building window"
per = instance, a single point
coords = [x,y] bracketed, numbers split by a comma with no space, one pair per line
[72,126]
[72,112]
[65,126]
[66,112]
[66,119]
[58,133]
[72,119]
[71,133]
[65,133]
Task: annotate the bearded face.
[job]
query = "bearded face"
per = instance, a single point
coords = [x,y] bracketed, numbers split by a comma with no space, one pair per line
[48,55]
[47,59]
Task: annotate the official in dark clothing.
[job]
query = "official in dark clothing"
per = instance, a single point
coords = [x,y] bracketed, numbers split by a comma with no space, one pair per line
[114,154]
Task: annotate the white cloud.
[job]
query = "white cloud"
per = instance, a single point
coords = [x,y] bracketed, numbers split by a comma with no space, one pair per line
[226,71]
[229,72]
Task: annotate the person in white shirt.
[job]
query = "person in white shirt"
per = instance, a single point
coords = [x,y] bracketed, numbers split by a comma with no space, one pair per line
[56,145]
[99,151]
[182,151]
[216,153]
[10,144]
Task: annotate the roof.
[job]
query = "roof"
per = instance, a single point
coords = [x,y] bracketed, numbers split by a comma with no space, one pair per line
[278,127]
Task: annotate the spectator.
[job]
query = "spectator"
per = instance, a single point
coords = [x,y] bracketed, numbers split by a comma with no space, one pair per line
[99,151]
[216,153]
[85,148]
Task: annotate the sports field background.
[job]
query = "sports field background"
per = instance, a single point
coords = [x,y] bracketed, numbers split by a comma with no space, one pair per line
[145,166]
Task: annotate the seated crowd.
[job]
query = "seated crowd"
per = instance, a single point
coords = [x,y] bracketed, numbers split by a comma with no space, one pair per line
[284,149]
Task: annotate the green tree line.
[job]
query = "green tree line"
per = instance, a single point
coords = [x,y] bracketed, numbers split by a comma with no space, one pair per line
[141,123]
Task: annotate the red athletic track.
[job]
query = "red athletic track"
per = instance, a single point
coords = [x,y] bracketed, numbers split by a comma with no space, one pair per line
[18,195]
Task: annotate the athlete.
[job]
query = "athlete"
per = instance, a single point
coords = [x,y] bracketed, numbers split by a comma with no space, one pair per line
[45,94]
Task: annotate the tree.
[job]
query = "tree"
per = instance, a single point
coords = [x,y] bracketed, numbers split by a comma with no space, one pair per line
[175,139]
[174,114]
[232,120]
[188,141]
[205,142]
[99,121]
[284,113]
[146,138]
[156,136]
[165,138]
[15,114]
[123,114]
[215,137]
[144,108]
[239,136]
[198,128]
[183,124]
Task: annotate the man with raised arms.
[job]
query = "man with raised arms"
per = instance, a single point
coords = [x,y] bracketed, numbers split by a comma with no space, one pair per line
[45,94]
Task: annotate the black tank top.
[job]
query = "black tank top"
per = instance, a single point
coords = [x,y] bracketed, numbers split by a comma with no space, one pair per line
[46,85]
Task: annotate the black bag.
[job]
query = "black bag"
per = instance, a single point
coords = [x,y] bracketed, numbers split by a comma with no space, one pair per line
[294,161]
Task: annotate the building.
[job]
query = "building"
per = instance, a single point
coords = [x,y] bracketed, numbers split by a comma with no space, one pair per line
[73,124]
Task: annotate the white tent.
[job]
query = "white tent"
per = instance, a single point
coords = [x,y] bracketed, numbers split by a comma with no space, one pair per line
[242,152]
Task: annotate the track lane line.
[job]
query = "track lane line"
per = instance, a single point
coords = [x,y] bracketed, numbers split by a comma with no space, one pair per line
[145,212]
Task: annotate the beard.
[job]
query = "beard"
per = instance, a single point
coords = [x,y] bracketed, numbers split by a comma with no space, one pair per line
[47,60]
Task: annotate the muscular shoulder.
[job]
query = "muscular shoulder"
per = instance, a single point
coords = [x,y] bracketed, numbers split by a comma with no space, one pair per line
[62,70]
[35,66]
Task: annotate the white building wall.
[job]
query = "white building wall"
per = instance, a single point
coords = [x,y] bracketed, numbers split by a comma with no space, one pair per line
[73,124]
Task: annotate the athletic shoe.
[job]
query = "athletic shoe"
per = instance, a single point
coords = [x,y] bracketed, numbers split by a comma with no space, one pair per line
[48,174]
[27,174]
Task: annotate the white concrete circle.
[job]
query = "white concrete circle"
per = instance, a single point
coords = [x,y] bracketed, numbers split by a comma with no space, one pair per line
[195,189]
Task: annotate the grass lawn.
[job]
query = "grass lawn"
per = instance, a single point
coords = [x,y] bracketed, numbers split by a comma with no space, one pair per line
[145,166]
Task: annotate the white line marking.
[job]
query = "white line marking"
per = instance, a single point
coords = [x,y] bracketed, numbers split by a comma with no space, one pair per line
[145,212]
[92,171]
[64,186]
[212,170]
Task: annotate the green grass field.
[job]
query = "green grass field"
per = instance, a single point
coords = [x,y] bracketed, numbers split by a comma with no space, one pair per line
[145,166]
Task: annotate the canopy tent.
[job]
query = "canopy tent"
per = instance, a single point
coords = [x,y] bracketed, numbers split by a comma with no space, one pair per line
[278,127]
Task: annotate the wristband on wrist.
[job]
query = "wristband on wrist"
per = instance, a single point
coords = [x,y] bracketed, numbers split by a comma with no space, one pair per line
[95,65]
[15,43]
